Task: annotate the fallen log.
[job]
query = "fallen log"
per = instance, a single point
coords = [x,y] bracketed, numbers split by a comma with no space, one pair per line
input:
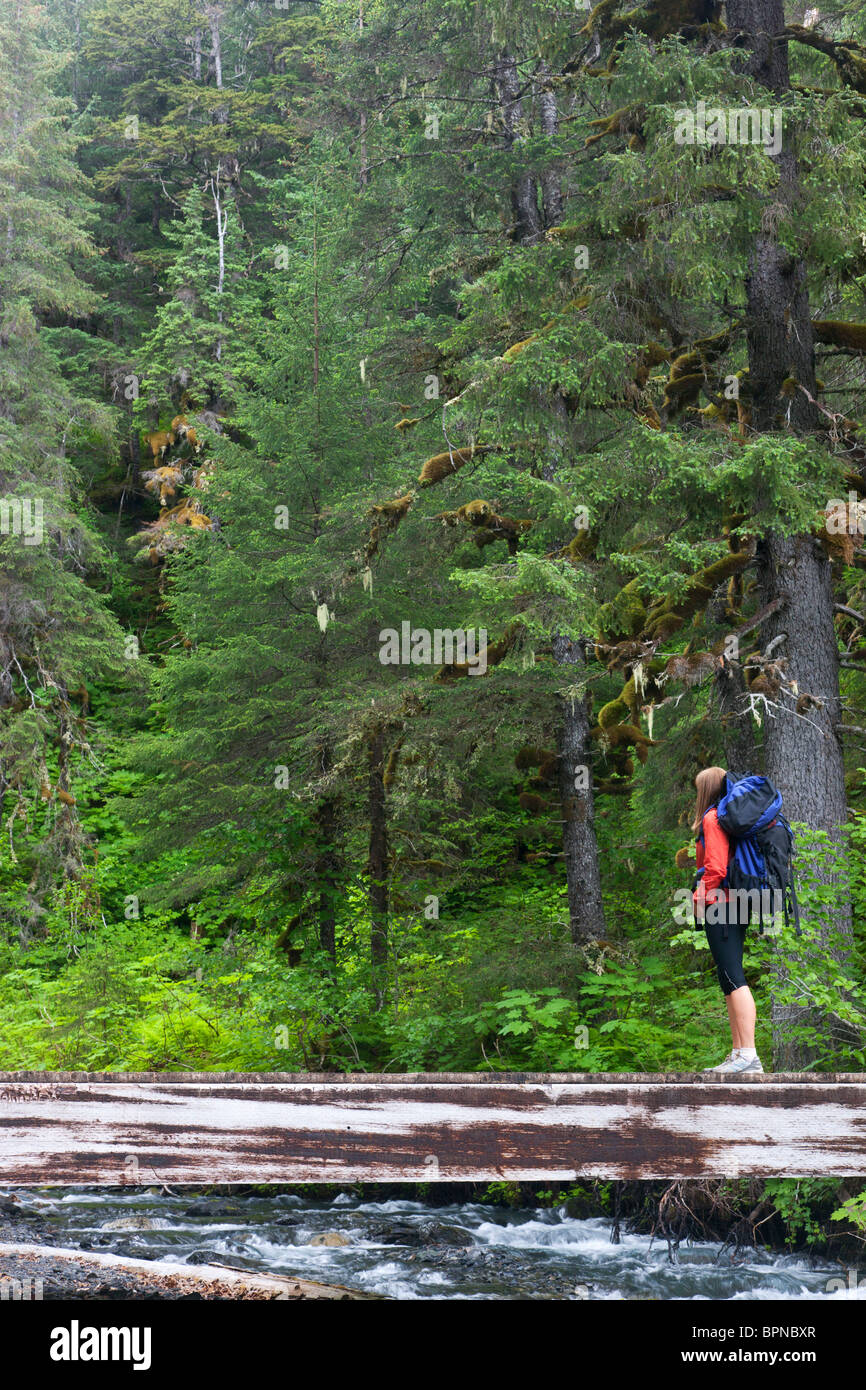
[52,1273]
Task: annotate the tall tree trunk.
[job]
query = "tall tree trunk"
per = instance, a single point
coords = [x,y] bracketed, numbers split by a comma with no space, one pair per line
[377,860]
[222,217]
[803,754]
[585,910]
[524,192]
[196,54]
[551,187]
[580,849]
[7,689]
[363,116]
[576,797]
[327,868]
[214,16]
[730,702]
[134,438]
[780,337]
[738,739]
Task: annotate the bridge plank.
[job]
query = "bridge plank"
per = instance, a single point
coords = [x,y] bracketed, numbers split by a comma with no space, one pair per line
[86,1129]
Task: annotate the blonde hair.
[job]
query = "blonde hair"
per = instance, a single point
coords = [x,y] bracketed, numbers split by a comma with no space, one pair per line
[710,785]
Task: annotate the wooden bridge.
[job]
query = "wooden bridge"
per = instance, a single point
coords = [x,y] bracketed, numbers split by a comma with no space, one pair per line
[171,1127]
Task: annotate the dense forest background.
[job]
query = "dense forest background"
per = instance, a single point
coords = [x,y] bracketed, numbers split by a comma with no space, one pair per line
[319,319]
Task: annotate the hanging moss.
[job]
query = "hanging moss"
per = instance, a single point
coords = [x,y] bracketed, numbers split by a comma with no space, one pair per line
[475,513]
[573,306]
[497,651]
[163,482]
[387,517]
[668,615]
[647,691]
[624,615]
[390,774]
[531,802]
[683,391]
[842,335]
[613,713]
[613,787]
[489,525]
[716,414]
[510,529]
[623,736]
[656,21]
[650,417]
[284,940]
[564,233]
[689,371]
[626,121]
[848,56]
[494,653]
[158,441]
[805,702]
[582,547]
[600,17]
[651,356]
[443,465]
[527,757]
[549,769]
[712,347]
[691,668]
[839,543]
[483,537]
[765,685]
[517,348]
[396,508]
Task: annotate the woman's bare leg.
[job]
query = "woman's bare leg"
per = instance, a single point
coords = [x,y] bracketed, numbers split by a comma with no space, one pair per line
[741,1015]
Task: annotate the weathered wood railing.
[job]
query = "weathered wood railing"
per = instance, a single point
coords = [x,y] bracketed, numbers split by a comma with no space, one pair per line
[171,1127]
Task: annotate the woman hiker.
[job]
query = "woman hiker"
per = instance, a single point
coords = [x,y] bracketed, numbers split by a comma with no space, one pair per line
[725,937]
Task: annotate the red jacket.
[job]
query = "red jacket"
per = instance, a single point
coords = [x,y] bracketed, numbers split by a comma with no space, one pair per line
[712,856]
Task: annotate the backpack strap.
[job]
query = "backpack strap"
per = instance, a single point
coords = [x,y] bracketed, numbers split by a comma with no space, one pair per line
[700,839]
[790,899]
[792,905]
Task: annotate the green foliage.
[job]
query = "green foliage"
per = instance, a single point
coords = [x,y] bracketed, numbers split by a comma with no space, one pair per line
[853,1210]
[802,1204]
[365,304]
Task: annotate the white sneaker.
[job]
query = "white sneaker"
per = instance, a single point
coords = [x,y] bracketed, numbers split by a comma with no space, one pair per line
[741,1064]
[723,1066]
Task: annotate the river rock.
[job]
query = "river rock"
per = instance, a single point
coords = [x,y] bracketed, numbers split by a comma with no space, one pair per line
[330,1238]
[435,1233]
[397,1235]
[130,1223]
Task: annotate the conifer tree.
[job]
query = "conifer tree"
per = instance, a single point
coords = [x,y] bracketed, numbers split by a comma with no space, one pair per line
[56,633]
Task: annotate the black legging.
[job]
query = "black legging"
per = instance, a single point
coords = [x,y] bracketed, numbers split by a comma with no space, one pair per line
[726,944]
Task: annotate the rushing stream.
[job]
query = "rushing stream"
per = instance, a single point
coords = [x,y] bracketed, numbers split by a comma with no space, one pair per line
[408,1250]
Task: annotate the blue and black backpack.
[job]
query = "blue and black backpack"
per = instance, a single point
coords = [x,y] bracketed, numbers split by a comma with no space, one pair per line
[762,845]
